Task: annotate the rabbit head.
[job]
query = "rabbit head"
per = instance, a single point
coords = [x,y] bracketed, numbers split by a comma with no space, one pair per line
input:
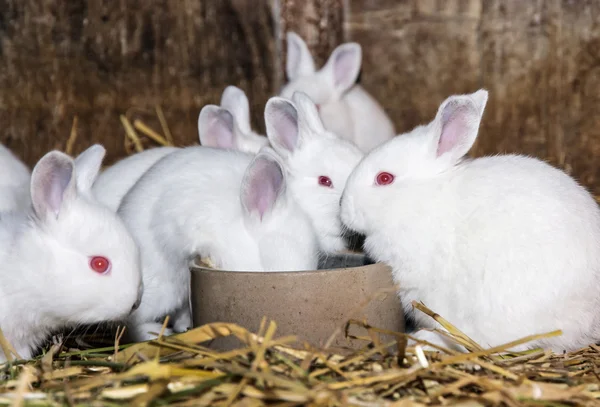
[88,270]
[401,175]
[317,163]
[327,86]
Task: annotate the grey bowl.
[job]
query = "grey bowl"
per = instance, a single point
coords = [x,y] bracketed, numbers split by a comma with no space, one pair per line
[309,304]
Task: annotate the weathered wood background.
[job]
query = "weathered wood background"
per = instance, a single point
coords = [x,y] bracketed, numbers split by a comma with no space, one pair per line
[97,59]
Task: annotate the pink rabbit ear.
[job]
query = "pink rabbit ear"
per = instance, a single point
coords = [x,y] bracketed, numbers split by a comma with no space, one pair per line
[236,102]
[308,112]
[52,184]
[299,61]
[281,119]
[87,166]
[458,120]
[262,184]
[343,66]
[216,127]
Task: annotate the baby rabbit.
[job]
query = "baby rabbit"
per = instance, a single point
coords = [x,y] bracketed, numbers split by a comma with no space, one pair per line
[67,260]
[503,247]
[14,181]
[233,207]
[344,106]
[317,163]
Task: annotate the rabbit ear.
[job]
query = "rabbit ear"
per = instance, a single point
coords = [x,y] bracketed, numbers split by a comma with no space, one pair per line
[216,127]
[236,102]
[309,115]
[281,120]
[262,185]
[343,66]
[52,184]
[457,124]
[87,166]
[299,60]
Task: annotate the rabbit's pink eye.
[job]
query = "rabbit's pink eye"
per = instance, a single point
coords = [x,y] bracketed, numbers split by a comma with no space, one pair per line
[318,108]
[100,264]
[325,181]
[384,178]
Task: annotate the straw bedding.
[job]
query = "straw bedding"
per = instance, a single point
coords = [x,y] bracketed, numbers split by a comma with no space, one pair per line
[178,370]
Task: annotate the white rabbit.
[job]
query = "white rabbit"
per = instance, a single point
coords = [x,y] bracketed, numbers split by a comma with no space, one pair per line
[503,247]
[345,107]
[317,163]
[14,182]
[114,182]
[230,206]
[67,260]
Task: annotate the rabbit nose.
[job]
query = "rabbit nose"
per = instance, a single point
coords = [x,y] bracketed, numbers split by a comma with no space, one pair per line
[341,197]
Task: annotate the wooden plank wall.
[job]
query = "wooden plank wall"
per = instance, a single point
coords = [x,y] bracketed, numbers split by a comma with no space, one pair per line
[97,59]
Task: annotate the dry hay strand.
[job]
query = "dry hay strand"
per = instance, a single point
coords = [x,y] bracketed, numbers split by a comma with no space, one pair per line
[136,142]
[72,137]
[181,370]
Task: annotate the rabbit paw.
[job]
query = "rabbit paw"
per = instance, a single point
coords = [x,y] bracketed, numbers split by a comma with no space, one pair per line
[182,320]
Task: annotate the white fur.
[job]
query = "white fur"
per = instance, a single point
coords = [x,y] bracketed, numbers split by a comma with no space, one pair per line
[195,202]
[344,106]
[114,182]
[503,247]
[45,279]
[14,182]
[308,151]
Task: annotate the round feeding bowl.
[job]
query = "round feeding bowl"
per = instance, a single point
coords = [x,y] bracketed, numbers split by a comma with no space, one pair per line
[311,305]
